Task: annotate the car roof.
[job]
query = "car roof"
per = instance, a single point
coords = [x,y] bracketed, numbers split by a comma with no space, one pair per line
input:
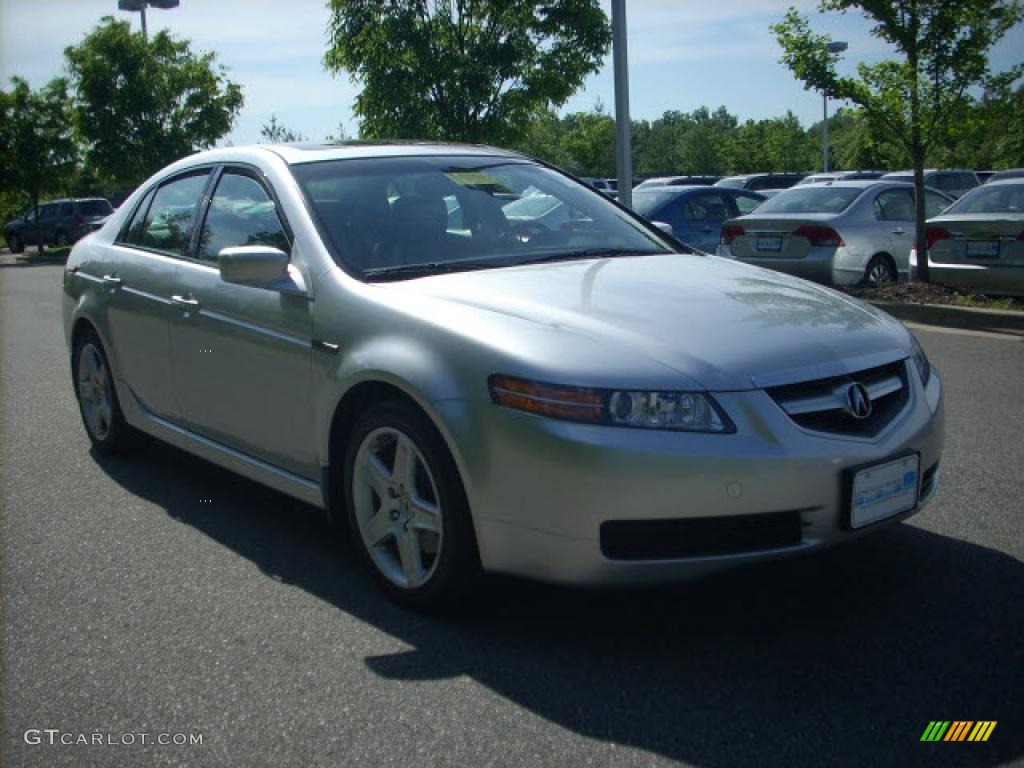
[297,153]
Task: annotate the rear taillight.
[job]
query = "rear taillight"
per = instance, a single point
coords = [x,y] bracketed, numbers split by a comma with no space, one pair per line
[933,235]
[79,221]
[730,232]
[819,236]
[1021,235]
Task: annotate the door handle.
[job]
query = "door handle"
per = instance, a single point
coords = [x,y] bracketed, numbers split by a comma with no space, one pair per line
[898,231]
[707,230]
[185,301]
[112,280]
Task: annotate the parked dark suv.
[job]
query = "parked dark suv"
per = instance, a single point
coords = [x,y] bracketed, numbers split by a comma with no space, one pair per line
[61,222]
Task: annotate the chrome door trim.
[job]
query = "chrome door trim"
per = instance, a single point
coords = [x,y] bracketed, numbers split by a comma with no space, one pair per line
[214,315]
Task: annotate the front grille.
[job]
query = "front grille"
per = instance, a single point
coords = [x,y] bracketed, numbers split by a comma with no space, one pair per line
[700,536]
[821,405]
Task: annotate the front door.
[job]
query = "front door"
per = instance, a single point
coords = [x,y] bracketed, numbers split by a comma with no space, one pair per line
[242,354]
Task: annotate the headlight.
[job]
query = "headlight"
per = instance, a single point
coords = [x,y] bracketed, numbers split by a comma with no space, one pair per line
[680,411]
[924,368]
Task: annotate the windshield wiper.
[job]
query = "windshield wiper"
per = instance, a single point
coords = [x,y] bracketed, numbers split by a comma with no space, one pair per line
[587,253]
[404,271]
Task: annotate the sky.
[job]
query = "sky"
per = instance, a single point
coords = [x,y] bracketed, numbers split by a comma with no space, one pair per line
[683,54]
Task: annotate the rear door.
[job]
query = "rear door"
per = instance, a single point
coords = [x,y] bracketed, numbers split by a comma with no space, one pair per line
[701,218]
[140,277]
[894,212]
[243,354]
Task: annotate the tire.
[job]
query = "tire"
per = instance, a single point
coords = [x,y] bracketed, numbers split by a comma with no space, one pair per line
[407,510]
[15,243]
[880,270]
[61,239]
[97,399]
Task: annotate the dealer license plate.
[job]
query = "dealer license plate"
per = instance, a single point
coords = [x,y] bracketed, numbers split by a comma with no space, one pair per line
[983,249]
[884,490]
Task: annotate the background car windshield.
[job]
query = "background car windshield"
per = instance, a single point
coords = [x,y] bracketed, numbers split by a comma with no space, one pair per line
[1004,198]
[385,214]
[646,202]
[811,200]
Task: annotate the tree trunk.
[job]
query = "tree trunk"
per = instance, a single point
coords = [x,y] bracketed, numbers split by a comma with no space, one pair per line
[919,218]
[39,231]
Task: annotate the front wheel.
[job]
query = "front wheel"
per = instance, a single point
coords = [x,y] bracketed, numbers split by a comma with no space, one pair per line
[407,509]
[97,400]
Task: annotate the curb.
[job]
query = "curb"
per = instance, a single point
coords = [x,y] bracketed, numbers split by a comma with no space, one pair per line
[967,318]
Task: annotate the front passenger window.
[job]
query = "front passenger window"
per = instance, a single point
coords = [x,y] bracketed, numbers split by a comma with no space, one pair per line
[241,213]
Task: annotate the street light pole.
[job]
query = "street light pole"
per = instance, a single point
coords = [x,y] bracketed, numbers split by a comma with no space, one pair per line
[834,48]
[623,139]
[140,7]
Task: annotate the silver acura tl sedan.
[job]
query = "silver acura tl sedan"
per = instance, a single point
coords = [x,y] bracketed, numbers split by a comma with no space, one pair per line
[835,232]
[361,327]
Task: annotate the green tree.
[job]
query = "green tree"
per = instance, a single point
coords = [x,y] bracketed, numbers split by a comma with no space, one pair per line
[140,105]
[464,70]
[37,149]
[273,132]
[915,99]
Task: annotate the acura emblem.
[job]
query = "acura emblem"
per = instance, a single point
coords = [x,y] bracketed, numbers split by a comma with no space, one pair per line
[858,402]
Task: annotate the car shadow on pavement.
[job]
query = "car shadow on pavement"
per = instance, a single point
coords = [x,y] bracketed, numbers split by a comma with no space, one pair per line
[34,259]
[840,658]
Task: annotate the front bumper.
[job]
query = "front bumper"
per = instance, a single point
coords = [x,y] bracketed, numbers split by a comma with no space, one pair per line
[541,489]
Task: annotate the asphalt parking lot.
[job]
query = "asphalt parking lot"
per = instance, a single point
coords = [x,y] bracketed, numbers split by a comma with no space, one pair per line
[158,594]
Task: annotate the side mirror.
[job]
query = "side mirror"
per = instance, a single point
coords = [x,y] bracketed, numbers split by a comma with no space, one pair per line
[664,227]
[256,265]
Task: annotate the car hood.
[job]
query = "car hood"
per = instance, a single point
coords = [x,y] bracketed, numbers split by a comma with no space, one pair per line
[723,324]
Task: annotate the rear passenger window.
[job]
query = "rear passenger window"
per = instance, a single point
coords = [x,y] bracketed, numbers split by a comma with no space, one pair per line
[934,204]
[895,205]
[168,224]
[131,234]
[241,213]
[746,204]
[66,209]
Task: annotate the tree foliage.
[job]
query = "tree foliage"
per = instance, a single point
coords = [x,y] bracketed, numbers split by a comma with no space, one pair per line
[465,70]
[140,104]
[916,99]
[37,149]
[273,132]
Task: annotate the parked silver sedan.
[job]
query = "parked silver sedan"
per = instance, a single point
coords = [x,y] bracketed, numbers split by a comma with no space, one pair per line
[361,327]
[978,243]
[836,233]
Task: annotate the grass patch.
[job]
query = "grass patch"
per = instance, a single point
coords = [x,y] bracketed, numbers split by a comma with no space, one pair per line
[932,293]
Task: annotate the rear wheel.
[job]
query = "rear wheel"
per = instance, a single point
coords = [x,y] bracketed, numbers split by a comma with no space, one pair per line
[62,240]
[880,270]
[407,509]
[97,400]
[15,243]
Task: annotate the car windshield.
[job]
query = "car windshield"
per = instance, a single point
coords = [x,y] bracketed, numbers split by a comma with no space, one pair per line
[1002,198]
[646,201]
[736,182]
[811,200]
[95,207]
[390,218]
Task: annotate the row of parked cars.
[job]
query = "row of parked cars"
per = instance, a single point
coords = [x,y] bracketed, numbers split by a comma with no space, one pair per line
[852,227]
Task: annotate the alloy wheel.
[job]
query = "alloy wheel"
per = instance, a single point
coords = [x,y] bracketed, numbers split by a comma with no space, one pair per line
[94,392]
[397,507]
